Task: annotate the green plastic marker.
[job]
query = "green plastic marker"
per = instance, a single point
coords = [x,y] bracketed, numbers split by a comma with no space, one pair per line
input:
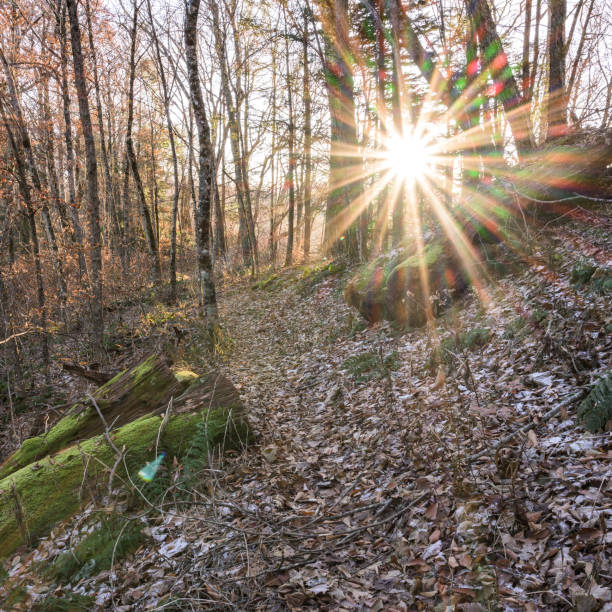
[147,473]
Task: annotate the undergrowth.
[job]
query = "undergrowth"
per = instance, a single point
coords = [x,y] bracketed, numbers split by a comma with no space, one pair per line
[452,346]
[596,409]
[71,602]
[368,365]
[113,539]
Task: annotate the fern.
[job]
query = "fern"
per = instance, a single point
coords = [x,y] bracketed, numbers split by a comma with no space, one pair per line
[596,409]
[197,454]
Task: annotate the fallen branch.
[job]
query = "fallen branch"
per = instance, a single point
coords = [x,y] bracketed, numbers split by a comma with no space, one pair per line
[89,373]
[551,413]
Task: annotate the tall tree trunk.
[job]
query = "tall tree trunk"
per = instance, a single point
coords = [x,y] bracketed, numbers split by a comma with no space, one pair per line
[572,80]
[108,183]
[557,98]
[492,50]
[175,200]
[340,229]
[399,213]
[247,233]
[152,246]
[205,265]
[291,145]
[95,235]
[29,161]
[307,142]
[525,59]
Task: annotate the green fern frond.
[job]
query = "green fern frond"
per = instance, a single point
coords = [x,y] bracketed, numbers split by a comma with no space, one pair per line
[596,409]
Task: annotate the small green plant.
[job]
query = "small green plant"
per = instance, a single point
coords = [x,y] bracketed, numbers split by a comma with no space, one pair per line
[197,455]
[366,366]
[582,272]
[596,409]
[113,539]
[468,340]
[71,602]
[517,329]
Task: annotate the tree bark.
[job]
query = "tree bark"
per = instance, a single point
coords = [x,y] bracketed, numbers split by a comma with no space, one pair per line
[152,245]
[26,194]
[557,98]
[95,235]
[175,201]
[205,267]
[307,142]
[291,146]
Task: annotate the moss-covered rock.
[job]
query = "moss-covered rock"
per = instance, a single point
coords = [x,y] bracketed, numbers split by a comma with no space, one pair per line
[406,286]
[34,497]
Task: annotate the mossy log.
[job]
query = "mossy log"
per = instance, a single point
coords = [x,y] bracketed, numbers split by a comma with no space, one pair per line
[122,399]
[34,497]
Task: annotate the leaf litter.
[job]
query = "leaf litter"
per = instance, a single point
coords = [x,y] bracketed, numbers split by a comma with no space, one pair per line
[389,491]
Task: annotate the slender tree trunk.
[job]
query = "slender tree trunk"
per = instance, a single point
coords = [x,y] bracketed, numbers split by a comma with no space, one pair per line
[247,233]
[492,50]
[108,183]
[578,58]
[307,143]
[95,234]
[399,213]
[175,200]
[205,264]
[133,162]
[525,59]
[340,227]
[291,145]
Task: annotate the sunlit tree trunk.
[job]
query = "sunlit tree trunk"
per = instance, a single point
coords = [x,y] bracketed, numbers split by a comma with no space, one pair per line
[340,226]
[291,146]
[557,99]
[205,265]
[247,233]
[170,127]
[77,231]
[111,211]
[307,141]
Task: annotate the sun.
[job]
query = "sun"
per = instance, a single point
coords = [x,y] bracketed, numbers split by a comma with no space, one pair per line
[409,156]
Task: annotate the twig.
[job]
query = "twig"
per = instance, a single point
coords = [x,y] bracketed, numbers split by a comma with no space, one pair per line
[118,452]
[551,413]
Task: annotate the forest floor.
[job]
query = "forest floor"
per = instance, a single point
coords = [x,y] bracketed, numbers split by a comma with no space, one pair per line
[377,481]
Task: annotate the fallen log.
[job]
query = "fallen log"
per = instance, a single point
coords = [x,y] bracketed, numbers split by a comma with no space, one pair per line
[52,487]
[122,399]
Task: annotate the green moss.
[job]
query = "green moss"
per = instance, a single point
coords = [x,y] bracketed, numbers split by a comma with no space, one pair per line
[270,282]
[430,256]
[112,540]
[34,498]
[313,275]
